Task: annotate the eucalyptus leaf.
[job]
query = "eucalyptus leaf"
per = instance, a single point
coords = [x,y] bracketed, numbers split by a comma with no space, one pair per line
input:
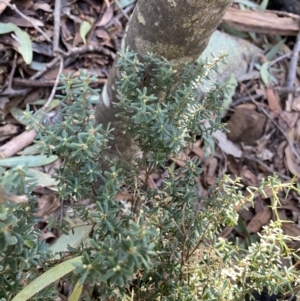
[18,115]
[72,239]
[25,48]
[30,150]
[43,179]
[265,74]
[22,37]
[46,279]
[29,161]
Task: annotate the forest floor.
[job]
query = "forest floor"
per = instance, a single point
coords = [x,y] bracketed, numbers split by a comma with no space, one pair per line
[263,115]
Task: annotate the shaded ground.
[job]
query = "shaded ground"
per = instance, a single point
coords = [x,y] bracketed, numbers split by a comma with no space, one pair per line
[263,117]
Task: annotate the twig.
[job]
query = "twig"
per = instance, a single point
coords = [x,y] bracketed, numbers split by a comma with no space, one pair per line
[244,99]
[13,69]
[46,105]
[13,7]
[122,10]
[294,63]
[46,68]
[267,167]
[287,90]
[280,58]
[120,15]
[56,34]
[74,51]
[22,82]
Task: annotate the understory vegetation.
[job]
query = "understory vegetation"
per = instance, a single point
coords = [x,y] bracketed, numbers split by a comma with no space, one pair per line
[140,243]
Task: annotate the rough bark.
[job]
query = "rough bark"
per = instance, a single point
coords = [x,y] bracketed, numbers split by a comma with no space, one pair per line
[178,30]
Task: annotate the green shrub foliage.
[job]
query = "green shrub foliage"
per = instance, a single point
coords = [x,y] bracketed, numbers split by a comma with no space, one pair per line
[163,245]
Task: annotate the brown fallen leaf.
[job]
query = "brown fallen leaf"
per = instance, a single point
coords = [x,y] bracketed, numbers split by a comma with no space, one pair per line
[260,219]
[3,5]
[180,159]
[288,227]
[246,126]
[196,149]
[273,100]
[47,204]
[8,129]
[211,172]
[107,16]
[296,104]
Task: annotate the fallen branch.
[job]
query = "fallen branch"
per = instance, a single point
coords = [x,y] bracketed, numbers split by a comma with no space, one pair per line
[17,144]
[267,22]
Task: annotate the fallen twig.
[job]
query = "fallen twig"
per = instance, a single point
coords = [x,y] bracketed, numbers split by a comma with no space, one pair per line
[265,166]
[293,63]
[46,105]
[23,82]
[56,33]
[268,22]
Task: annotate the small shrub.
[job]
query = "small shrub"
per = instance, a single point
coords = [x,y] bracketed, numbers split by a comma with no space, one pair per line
[166,246]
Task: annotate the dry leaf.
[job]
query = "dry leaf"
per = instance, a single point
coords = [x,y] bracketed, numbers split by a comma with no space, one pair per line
[260,219]
[296,104]
[47,204]
[246,126]
[107,16]
[293,166]
[226,145]
[211,172]
[273,100]
[180,159]
[195,148]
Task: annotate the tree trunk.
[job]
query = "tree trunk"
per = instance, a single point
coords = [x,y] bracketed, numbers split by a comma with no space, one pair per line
[178,30]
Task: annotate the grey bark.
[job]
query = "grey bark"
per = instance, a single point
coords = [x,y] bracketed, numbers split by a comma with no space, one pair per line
[178,30]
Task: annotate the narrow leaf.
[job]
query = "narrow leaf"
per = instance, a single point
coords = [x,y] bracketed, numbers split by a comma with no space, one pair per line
[7,28]
[29,161]
[76,292]
[46,279]
[25,48]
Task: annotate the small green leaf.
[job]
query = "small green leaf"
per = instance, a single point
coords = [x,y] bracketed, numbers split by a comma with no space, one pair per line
[46,279]
[85,27]
[274,50]
[29,161]
[265,74]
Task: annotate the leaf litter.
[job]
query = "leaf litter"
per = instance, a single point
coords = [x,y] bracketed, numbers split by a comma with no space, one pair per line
[263,129]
